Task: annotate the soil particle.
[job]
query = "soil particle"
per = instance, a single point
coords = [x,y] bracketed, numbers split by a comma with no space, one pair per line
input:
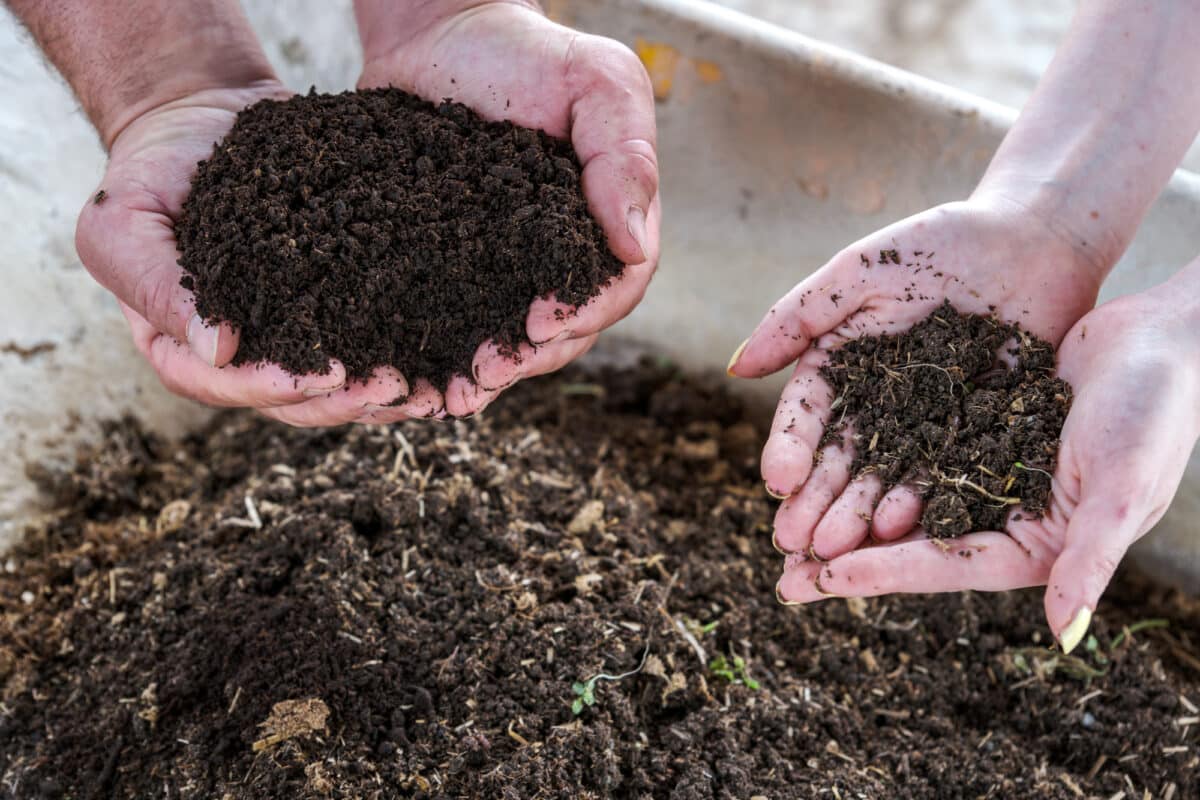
[378,229]
[935,408]
[410,615]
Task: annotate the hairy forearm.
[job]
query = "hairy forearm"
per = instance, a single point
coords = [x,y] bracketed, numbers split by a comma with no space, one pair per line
[385,24]
[1109,122]
[125,57]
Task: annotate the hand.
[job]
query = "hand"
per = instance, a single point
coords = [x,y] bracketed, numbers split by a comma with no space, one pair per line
[1135,366]
[507,61]
[126,239]
[986,255]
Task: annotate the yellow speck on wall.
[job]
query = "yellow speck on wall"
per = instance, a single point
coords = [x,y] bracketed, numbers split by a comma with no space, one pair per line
[661,61]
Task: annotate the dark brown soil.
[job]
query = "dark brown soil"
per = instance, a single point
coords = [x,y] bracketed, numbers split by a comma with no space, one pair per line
[421,599]
[933,407]
[378,229]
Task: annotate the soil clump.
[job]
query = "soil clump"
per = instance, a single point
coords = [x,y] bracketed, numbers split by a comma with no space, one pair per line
[378,229]
[933,407]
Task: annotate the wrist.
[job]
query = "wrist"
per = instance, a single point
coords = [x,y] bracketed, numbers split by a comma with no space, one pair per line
[123,58]
[204,60]
[385,25]
[1029,210]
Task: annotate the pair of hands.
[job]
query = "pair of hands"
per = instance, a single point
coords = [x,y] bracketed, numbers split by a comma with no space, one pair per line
[505,60]
[1124,446]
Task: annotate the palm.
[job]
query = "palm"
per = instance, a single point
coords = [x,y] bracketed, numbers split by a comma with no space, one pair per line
[126,239]
[508,62]
[983,259]
[1125,446]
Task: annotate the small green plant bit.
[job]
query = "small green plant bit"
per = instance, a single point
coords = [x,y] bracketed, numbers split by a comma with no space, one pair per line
[585,691]
[734,672]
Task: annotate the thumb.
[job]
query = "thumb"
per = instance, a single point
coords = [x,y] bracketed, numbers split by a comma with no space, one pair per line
[131,251]
[613,131]
[1098,535]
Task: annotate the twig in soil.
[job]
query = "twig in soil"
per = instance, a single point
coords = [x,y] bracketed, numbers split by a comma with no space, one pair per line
[962,480]
[585,691]
[1019,465]
[949,377]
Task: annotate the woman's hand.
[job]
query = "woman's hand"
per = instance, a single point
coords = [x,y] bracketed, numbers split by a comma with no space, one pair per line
[1134,364]
[986,255]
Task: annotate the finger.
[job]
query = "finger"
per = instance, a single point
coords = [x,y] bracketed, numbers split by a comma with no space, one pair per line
[129,247]
[250,385]
[847,522]
[495,371]
[351,403]
[1100,531]
[897,513]
[798,425]
[799,514]
[424,402]
[816,306]
[988,562]
[550,320]
[614,133]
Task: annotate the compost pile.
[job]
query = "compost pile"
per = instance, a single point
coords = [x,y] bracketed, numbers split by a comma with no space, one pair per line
[413,611]
[377,229]
[932,407]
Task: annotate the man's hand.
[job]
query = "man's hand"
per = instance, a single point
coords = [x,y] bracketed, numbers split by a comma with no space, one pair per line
[1135,367]
[126,239]
[507,61]
[984,256]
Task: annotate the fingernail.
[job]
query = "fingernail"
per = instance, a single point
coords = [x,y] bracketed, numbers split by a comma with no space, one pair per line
[558,337]
[773,493]
[775,543]
[821,589]
[737,354]
[635,223]
[320,388]
[780,598]
[1072,635]
[204,339]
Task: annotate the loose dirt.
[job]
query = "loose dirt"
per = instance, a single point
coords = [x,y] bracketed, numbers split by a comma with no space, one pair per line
[933,407]
[374,612]
[378,229]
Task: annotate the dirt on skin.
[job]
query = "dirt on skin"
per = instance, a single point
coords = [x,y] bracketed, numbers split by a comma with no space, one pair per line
[378,229]
[378,612]
[933,408]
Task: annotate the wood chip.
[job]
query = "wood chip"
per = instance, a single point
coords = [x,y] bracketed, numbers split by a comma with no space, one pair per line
[588,516]
[1070,783]
[291,718]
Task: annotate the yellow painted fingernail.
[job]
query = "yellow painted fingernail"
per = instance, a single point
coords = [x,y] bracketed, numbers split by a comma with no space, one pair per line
[736,355]
[775,543]
[1072,635]
[772,492]
[780,598]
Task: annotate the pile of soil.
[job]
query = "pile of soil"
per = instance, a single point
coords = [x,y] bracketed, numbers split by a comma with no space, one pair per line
[375,612]
[377,229]
[935,408]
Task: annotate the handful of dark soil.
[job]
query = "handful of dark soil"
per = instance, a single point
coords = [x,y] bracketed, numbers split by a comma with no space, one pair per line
[378,229]
[933,407]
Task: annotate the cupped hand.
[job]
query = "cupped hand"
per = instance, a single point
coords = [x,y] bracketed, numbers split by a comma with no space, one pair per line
[125,237]
[1134,364]
[507,61]
[986,256]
